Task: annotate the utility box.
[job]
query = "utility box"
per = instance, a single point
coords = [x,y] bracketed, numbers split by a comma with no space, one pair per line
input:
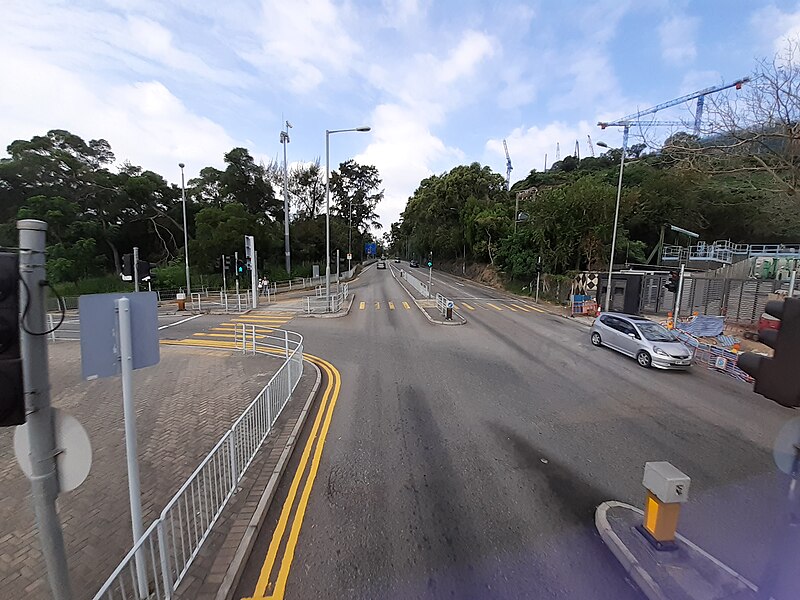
[666,482]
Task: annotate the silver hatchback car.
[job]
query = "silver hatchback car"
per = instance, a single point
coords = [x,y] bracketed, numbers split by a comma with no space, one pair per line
[649,343]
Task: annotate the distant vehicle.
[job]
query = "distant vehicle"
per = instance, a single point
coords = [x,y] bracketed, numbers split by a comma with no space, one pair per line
[649,343]
[381,265]
[397,260]
[413,263]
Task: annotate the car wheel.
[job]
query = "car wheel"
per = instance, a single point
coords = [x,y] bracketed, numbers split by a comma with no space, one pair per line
[644,359]
[596,340]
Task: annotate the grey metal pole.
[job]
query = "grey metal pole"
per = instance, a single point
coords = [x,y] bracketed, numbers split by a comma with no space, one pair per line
[678,298]
[135,269]
[327,221]
[286,248]
[224,282]
[538,276]
[616,219]
[185,233]
[337,271]
[254,275]
[792,283]
[131,445]
[39,415]
[350,235]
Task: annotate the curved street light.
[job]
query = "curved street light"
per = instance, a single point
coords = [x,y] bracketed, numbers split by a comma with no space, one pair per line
[328,133]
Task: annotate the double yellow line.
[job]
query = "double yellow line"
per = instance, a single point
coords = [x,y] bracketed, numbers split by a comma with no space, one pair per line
[271,585]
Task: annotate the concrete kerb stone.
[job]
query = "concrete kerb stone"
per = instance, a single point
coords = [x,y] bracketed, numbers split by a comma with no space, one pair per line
[236,567]
[651,589]
[462,320]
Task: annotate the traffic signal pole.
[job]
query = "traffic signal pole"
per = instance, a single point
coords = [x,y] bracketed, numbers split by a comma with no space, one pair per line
[224,283]
[135,269]
[39,414]
[678,298]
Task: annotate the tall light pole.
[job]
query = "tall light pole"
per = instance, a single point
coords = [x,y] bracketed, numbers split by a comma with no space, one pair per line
[350,234]
[185,232]
[287,251]
[328,133]
[616,213]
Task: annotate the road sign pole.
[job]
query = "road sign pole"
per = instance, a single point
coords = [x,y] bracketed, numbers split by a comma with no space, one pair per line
[39,415]
[135,269]
[538,277]
[224,283]
[337,270]
[254,275]
[131,446]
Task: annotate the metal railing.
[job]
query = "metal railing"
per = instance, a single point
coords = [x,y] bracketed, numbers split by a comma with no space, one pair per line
[725,251]
[319,303]
[159,560]
[442,304]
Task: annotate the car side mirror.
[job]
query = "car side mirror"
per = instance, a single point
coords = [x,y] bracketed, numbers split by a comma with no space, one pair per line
[633,336]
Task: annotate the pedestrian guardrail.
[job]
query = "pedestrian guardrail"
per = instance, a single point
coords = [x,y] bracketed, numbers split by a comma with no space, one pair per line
[320,304]
[159,560]
[444,304]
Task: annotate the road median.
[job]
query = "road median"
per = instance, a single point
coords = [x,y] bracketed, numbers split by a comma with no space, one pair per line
[427,306]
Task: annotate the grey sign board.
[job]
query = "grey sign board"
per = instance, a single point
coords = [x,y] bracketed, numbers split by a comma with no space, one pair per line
[100,332]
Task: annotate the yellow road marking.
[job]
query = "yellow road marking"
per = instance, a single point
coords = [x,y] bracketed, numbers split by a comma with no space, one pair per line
[362,305]
[406,305]
[326,408]
[510,307]
[522,307]
[228,335]
[377,305]
[494,306]
[391,305]
[467,305]
[537,309]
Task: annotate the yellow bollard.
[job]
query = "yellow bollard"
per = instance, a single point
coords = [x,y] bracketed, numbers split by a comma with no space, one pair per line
[667,488]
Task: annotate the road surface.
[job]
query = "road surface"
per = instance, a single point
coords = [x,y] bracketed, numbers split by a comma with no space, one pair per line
[467,462]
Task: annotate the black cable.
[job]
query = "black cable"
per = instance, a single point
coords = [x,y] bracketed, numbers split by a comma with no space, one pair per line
[61,304]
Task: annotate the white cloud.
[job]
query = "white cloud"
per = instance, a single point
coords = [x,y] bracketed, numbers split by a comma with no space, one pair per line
[405,151]
[677,37]
[143,121]
[301,41]
[400,13]
[776,27]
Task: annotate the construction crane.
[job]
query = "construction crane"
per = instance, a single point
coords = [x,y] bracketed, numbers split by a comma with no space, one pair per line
[636,118]
[591,146]
[577,150]
[508,166]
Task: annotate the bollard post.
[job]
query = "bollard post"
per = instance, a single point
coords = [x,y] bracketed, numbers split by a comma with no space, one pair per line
[667,488]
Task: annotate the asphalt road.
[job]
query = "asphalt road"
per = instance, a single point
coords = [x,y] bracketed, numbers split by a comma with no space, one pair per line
[466,462]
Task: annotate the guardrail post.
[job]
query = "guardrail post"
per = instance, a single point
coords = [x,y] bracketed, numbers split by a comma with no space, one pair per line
[286,341]
[254,339]
[51,327]
[166,572]
[269,408]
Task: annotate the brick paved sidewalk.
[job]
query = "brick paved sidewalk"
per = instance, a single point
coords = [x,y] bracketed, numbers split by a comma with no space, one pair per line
[184,405]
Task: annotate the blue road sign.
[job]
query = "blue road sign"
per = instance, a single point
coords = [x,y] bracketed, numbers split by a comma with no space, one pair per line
[371,249]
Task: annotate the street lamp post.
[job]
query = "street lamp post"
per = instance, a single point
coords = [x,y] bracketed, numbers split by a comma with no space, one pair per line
[286,248]
[185,232]
[350,235]
[328,133]
[616,213]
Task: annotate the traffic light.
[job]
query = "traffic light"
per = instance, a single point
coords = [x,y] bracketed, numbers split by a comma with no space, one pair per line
[430,259]
[127,265]
[239,266]
[674,279]
[12,395]
[144,270]
[226,263]
[776,377]
[217,264]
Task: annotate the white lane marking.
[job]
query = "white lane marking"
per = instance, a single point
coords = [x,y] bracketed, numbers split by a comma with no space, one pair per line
[461,284]
[179,322]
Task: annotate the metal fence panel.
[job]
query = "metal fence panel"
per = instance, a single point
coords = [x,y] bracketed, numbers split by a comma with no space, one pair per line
[155,566]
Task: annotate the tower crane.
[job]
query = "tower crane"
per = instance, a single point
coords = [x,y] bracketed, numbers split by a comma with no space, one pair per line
[508,166]
[591,146]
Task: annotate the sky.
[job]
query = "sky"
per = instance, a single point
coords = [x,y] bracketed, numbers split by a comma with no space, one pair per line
[440,83]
